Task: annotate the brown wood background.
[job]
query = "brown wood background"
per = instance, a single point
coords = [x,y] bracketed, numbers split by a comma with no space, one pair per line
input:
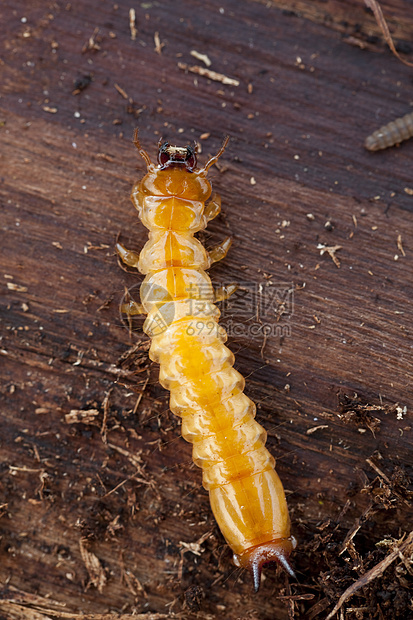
[106,515]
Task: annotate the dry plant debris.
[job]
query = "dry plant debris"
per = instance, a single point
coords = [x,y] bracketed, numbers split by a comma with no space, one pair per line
[402,548]
[158,44]
[77,416]
[378,14]
[202,57]
[354,411]
[331,251]
[132,24]
[212,75]
[97,575]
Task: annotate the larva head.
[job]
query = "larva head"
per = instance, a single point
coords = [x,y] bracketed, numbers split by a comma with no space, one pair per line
[169,155]
[255,558]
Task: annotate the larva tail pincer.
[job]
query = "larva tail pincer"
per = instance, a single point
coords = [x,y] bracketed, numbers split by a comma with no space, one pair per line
[246,494]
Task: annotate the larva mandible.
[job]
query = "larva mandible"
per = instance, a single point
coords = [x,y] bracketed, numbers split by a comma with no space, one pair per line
[246,494]
[391,134]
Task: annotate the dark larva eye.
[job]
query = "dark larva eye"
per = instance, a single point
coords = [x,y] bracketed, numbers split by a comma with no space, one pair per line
[246,494]
[163,155]
[191,159]
[391,134]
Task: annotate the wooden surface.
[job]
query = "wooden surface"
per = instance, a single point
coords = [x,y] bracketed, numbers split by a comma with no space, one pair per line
[101,510]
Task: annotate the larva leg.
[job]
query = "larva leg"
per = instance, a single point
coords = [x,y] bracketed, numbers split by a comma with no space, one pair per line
[219,251]
[212,207]
[215,158]
[129,257]
[224,292]
[132,308]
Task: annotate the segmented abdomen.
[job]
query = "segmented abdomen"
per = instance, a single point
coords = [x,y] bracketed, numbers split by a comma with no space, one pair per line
[391,134]
[246,494]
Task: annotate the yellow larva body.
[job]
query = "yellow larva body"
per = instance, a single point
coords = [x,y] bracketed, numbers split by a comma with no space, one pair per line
[391,134]
[246,494]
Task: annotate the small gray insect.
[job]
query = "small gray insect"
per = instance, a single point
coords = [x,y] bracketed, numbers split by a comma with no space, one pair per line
[391,134]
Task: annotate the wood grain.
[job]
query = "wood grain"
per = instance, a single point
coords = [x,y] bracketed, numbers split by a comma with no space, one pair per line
[294,181]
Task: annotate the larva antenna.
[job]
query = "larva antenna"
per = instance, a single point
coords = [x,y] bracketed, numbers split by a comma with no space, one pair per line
[215,158]
[142,152]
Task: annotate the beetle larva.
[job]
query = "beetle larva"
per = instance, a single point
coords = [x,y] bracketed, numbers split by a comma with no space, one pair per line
[391,134]
[246,494]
